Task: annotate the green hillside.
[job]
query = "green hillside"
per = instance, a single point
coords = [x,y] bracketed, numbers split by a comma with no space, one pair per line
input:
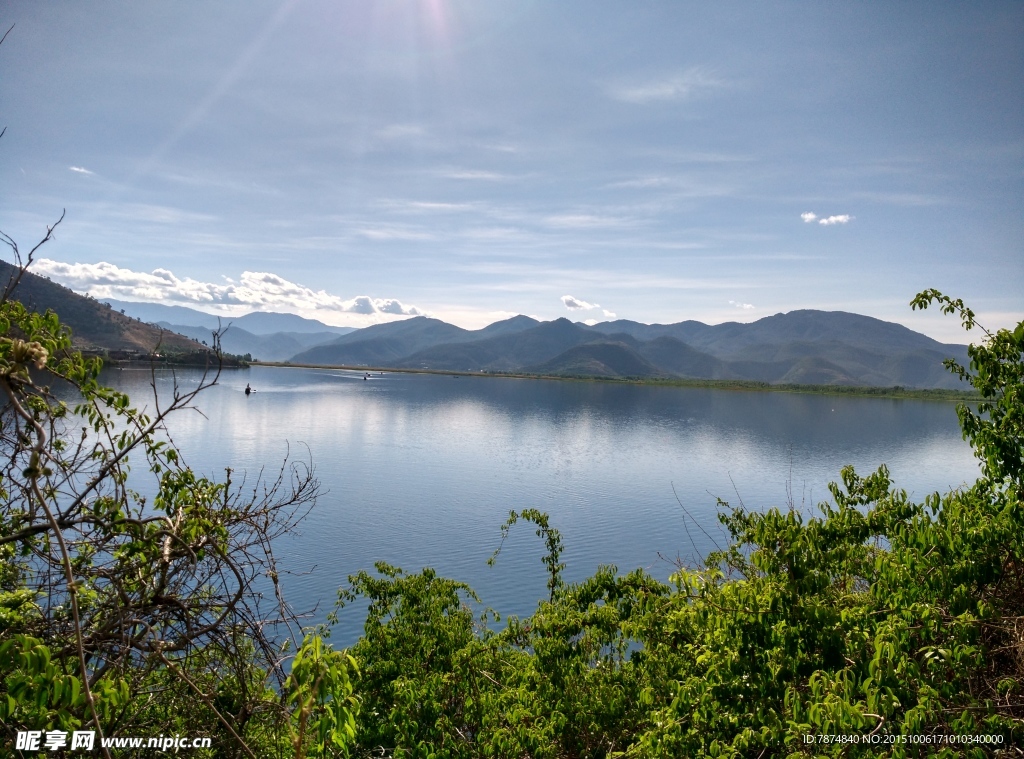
[95,327]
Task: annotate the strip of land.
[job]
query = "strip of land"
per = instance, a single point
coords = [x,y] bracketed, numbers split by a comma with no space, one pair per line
[736,385]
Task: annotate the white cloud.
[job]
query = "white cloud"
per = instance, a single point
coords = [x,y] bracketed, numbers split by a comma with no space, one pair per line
[255,290]
[418,206]
[810,216]
[575,304]
[608,314]
[672,87]
[744,306]
[840,219]
[644,183]
[79,170]
[584,221]
[394,233]
[491,176]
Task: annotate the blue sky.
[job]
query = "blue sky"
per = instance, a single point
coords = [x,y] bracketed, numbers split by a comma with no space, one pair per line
[360,161]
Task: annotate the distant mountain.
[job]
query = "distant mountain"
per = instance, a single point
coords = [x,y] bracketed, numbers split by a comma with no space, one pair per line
[278,346]
[151,313]
[801,347]
[256,323]
[385,344]
[599,360]
[506,352]
[95,327]
[270,323]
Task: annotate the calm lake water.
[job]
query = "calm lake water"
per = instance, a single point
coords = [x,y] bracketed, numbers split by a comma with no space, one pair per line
[421,470]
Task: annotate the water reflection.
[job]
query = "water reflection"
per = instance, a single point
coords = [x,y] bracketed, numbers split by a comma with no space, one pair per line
[420,470]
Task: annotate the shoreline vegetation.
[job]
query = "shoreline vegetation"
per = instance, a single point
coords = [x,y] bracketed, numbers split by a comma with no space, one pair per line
[205,359]
[897,392]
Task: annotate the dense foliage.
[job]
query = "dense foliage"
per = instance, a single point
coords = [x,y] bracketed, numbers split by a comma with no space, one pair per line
[895,624]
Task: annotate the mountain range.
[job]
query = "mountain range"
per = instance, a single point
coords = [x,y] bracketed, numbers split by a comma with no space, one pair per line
[799,347]
[262,334]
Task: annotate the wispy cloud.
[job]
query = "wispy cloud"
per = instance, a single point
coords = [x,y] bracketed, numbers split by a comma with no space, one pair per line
[394,233]
[255,290]
[744,306]
[473,174]
[808,217]
[80,170]
[910,199]
[675,86]
[401,131]
[421,206]
[678,187]
[492,233]
[643,183]
[156,214]
[585,221]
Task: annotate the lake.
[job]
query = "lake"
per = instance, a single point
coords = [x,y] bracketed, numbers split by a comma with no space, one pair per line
[421,470]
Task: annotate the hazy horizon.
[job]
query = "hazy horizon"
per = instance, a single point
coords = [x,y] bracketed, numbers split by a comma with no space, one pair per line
[358,163]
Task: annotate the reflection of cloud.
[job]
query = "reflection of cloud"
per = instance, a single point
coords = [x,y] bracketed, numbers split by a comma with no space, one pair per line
[672,87]
[840,219]
[575,304]
[808,217]
[79,170]
[262,291]
[744,306]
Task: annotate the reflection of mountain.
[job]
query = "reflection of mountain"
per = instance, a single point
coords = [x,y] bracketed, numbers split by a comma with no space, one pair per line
[95,327]
[264,335]
[801,347]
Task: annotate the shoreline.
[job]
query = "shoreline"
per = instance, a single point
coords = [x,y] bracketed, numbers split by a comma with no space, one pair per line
[711,384]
